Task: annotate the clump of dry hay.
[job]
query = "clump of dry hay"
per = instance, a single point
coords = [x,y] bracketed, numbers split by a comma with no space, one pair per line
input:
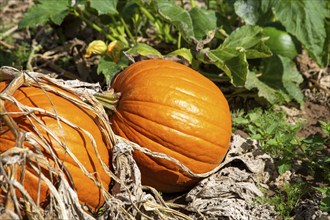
[227,192]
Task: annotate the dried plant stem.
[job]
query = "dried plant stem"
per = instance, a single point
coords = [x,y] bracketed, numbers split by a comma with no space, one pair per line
[35,48]
[17,82]
[9,32]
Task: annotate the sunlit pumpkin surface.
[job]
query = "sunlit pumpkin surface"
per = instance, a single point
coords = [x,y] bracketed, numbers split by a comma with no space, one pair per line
[170,108]
[76,140]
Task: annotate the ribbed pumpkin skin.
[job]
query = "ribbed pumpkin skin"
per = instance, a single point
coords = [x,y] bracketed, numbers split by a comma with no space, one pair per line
[170,108]
[76,140]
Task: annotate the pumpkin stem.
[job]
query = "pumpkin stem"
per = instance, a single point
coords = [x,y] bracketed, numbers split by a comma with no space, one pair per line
[109,100]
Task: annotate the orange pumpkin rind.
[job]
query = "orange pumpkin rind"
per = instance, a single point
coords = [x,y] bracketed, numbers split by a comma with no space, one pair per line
[51,136]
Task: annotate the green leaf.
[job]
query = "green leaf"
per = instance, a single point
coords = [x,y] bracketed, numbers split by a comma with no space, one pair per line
[203,22]
[271,95]
[232,63]
[324,206]
[107,68]
[326,58]
[244,43]
[196,23]
[44,12]
[105,6]
[281,74]
[184,53]
[323,190]
[306,22]
[283,167]
[325,202]
[249,39]
[325,127]
[238,67]
[254,11]
[240,121]
[143,50]
[177,16]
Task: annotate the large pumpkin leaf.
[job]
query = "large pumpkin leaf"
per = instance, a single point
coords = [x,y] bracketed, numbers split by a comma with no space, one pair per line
[196,23]
[203,21]
[248,39]
[271,95]
[254,11]
[244,43]
[232,63]
[105,6]
[177,16]
[44,12]
[281,73]
[307,23]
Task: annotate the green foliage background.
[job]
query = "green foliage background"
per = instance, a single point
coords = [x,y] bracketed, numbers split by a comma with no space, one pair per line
[251,43]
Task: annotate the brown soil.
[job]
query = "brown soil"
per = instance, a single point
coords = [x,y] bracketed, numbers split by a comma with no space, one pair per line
[313,113]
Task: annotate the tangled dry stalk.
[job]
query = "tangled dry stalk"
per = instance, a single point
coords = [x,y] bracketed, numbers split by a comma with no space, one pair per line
[228,188]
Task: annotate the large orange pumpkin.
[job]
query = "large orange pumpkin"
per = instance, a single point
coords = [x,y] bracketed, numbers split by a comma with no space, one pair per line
[76,140]
[170,108]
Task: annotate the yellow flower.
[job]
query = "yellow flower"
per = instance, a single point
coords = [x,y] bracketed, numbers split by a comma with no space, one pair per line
[96,47]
